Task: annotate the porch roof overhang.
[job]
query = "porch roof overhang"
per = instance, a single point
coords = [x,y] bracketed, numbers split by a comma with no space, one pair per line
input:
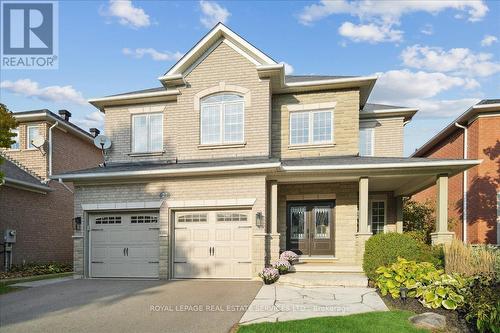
[403,176]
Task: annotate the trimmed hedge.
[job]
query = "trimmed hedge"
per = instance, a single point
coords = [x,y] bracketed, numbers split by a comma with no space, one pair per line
[384,249]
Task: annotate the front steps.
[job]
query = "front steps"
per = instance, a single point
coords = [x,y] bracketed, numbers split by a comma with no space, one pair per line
[313,279]
[324,272]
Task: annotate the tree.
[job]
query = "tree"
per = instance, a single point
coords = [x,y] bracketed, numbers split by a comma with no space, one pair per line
[7,124]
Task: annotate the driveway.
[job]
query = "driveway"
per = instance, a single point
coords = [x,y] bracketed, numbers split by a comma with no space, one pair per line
[127,306]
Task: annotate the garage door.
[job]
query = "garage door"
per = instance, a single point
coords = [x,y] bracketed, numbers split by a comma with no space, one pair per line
[124,245]
[212,244]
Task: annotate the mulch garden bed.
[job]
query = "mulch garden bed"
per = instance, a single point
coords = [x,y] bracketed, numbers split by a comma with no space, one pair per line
[455,321]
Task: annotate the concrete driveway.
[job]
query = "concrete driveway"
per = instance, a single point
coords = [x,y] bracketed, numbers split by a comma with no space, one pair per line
[127,306]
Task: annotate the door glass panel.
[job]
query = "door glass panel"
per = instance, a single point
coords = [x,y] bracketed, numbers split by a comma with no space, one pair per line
[321,217]
[297,218]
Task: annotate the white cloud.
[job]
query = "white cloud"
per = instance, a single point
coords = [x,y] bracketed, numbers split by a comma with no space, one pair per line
[488,40]
[427,29]
[421,90]
[288,68]
[29,88]
[404,84]
[389,10]
[126,13]
[457,60]
[213,13]
[94,119]
[372,33]
[154,54]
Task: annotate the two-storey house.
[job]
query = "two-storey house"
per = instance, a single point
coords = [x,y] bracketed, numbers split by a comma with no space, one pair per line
[231,161]
[38,209]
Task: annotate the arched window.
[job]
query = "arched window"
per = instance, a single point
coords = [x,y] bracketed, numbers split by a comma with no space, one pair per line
[222,119]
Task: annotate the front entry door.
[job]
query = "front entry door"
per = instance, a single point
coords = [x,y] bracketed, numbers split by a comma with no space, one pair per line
[310,227]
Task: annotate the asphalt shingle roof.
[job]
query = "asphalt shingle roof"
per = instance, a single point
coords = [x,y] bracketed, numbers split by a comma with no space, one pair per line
[15,172]
[489,101]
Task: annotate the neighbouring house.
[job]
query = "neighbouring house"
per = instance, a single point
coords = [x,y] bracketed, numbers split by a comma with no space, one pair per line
[231,161]
[474,196]
[41,211]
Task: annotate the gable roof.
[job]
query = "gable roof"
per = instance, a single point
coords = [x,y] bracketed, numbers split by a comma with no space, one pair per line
[484,106]
[18,177]
[218,32]
[370,110]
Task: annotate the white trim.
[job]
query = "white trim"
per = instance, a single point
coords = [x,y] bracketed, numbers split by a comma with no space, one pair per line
[28,136]
[135,96]
[11,182]
[243,202]
[170,172]
[486,106]
[196,63]
[331,81]
[240,51]
[380,165]
[222,121]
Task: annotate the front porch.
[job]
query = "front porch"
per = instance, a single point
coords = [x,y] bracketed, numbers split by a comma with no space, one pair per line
[326,215]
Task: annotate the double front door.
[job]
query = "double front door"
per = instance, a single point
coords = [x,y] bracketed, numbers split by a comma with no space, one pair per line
[310,228]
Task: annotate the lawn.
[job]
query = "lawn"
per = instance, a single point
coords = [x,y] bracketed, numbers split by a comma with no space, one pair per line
[372,322]
[6,285]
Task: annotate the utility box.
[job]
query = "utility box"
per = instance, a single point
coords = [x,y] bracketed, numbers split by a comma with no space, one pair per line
[9,236]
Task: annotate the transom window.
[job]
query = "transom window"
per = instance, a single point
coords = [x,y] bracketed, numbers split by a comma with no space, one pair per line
[222,119]
[231,217]
[15,138]
[311,127]
[108,220]
[33,132]
[192,217]
[378,216]
[366,138]
[147,133]
[143,219]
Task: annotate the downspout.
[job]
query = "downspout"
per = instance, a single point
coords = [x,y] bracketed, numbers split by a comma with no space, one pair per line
[50,147]
[464,182]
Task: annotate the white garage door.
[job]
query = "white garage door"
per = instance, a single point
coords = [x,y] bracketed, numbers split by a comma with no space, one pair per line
[124,245]
[213,244]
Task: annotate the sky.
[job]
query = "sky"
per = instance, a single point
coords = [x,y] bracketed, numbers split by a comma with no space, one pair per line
[438,56]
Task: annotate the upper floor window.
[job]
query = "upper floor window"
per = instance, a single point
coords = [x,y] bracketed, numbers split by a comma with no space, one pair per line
[15,138]
[366,139]
[147,133]
[222,119]
[311,127]
[33,132]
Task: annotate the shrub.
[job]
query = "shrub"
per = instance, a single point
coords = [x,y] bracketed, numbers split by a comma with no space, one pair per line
[419,217]
[384,249]
[283,266]
[469,260]
[405,273]
[446,291]
[269,275]
[418,235]
[483,304]
[289,256]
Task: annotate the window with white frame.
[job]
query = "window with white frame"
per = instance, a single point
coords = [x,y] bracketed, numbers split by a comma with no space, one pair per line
[377,216]
[147,133]
[32,133]
[366,141]
[222,119]
[15,138]
[311,127]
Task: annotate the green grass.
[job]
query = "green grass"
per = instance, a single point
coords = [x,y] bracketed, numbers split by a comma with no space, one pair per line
[372,322]
[6,285]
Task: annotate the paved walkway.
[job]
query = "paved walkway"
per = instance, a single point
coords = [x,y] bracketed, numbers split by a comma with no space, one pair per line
[280,303]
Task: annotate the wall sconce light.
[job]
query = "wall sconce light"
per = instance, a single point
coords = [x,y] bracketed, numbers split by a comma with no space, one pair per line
[259,220]
[77,223]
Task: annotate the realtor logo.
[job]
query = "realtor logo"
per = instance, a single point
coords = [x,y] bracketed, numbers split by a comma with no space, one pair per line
[29,35]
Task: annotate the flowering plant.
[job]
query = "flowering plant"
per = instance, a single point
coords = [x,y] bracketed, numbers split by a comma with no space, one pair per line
[269,275]
[289,256]
[283,266]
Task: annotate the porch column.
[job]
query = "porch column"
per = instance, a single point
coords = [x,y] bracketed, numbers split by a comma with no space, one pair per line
[442,235]
[363,205]
[399,214]
[363,228]
[274,235]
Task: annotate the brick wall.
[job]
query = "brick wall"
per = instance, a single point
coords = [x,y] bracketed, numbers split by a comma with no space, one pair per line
[346,123]
[482,181]
[182,121]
